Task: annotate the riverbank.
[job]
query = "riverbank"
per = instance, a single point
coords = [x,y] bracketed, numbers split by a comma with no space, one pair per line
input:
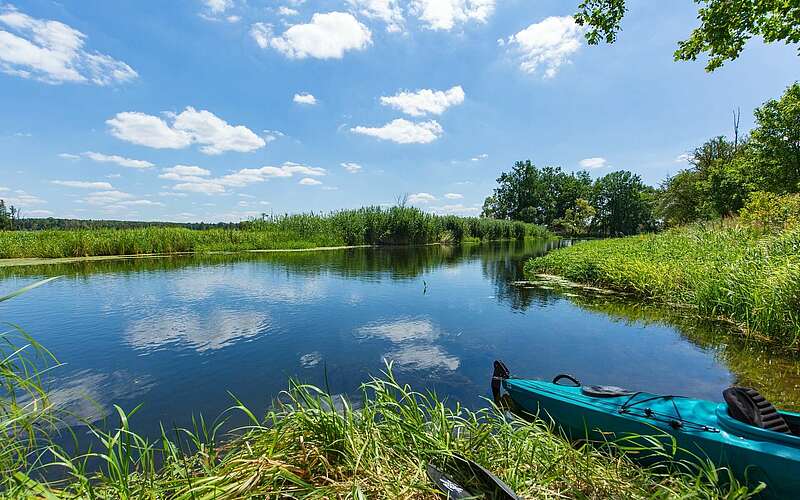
[724,270]
[312,444]
[366,226]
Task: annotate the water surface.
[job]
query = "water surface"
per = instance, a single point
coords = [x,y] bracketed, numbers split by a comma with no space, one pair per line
[178,334]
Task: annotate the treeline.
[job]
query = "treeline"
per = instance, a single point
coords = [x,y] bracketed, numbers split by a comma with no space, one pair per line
[724,176]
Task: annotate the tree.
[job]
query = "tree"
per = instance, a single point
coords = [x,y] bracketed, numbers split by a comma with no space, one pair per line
[682,199]
[774,144]
[535,195]
[623,204]
[5,216]
[576,220]
[725,26]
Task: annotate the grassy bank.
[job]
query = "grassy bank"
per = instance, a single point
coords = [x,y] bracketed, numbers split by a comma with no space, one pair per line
[366,226]
[745,274]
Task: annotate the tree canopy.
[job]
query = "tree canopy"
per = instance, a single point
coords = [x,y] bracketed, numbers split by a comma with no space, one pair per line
[725,26]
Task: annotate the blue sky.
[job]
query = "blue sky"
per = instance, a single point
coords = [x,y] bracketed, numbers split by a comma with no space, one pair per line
[213,110]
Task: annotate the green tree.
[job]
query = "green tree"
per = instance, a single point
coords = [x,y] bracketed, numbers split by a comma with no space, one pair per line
[682,199]
[5,216]
[725,26]
[624,205]
[577,220]
[774,145]
[535,195]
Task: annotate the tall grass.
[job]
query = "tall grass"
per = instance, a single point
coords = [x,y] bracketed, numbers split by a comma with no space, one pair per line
[725,270]
[365,226]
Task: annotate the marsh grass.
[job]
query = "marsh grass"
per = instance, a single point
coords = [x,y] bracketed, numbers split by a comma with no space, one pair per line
[365,226]
[724,270]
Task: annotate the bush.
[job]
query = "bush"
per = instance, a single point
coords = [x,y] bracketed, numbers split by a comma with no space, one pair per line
[771,211]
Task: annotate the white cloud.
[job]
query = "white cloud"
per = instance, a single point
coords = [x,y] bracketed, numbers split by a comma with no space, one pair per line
[287,11]
[119,160]
[308,181]
[69,156]
[23,199]
[52,52]
[548,44]
[139,203]
[351,167]
[218,6]
[388,11]
[454,196]
[2,189]
[446,14]
[683,158]
[39,213]
[404,132]
[202,127]
[233,19]
[595,162]
[425,101]
[198,180]
[107,197]
[480,157]
[458,209]
[327,36]
[84,184]
[421,198]
[305,98]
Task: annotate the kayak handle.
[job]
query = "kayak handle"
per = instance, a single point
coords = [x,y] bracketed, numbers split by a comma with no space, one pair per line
[567,376]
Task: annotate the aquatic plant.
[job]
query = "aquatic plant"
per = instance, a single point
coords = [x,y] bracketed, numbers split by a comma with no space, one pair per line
[364,226]
[726,270]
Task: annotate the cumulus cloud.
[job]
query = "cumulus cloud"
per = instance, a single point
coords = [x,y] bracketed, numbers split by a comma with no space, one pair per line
[547,45]
[22,199]
[287,11]
[421,198]
[191,126]
[84,184]
[446,14]
[425,101]
[107,197]
[403,131]
[388,11]
[480,157]
[683,158]
[218,6]
[595,162]
[308,181]
[199,180]
[351,167]
[327,36]
[305,98]
[119,160]
[52,52]
[453,196]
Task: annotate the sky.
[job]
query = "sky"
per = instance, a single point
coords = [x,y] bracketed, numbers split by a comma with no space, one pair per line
[220,110]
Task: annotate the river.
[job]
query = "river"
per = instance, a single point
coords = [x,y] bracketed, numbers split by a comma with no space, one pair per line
[181,334]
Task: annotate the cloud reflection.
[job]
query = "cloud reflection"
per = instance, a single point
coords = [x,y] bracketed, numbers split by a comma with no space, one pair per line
[415,344]
[214,330]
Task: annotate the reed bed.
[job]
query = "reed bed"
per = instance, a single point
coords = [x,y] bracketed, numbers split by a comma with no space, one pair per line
[726,270]
[365,226]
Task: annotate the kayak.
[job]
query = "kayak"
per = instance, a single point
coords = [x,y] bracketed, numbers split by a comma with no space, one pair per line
[765,450]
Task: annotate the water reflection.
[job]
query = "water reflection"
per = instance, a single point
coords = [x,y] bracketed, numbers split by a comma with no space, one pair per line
[178,333]
[210,330]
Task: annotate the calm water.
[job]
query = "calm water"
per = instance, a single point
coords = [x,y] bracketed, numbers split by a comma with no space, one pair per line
[178,333]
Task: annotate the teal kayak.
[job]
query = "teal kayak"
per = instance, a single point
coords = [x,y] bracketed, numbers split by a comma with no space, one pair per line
[766,450]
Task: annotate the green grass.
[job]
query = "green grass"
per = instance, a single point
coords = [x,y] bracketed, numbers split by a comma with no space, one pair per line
[726,270]
[366,226]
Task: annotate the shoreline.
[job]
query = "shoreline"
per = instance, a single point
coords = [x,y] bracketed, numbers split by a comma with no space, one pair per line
[38,261]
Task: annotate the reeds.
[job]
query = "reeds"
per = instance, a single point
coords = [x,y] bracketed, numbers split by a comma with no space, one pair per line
[365,226]
[727,270]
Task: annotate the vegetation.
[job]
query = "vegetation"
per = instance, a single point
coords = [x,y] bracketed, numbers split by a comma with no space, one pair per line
[312,444]
[366,226]
[724,269]
[615,204]
[725,26]
[8,216]
[723,175]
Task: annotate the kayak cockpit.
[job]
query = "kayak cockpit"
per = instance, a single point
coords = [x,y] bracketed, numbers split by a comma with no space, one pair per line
[747,431]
